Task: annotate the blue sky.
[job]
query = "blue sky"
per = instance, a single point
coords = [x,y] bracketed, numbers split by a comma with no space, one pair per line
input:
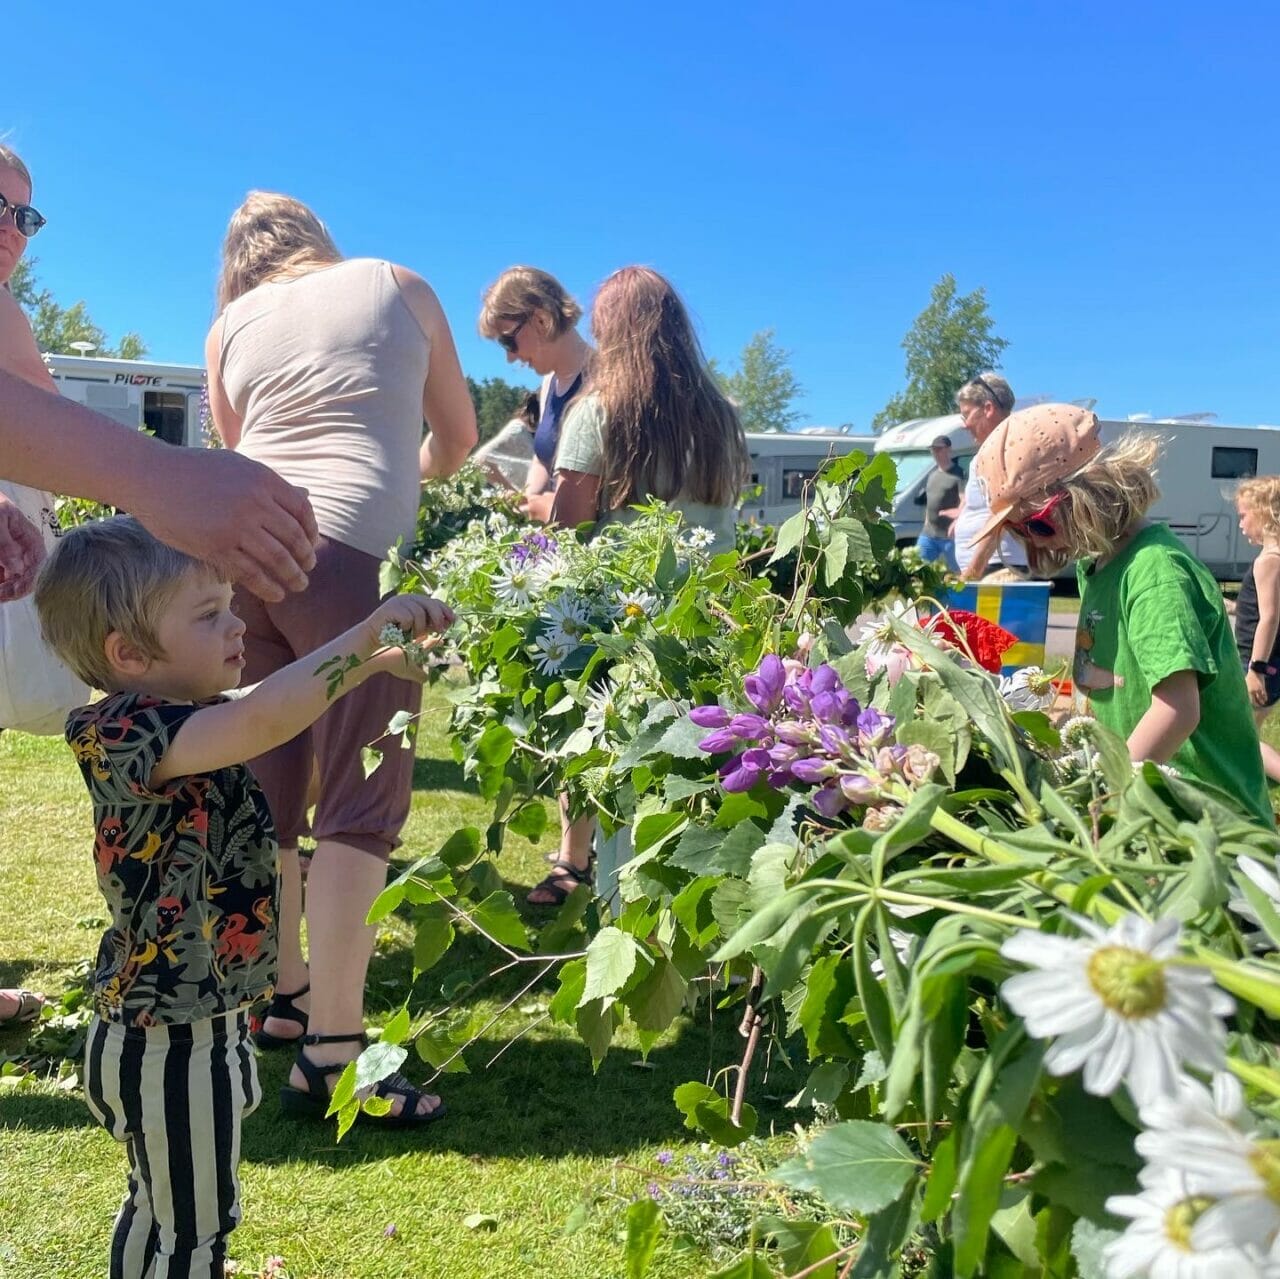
[1106,171]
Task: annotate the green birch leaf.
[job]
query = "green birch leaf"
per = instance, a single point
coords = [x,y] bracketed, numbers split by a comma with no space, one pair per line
[370,760]
[377,1062]
[644,1228]
[681,739]
[433,936]
[941,1182]
[596,1022]
[802,1245]
[856,1166]
[498,917]
[790,536]
[886,1234]
[704,1108]
[396,1029]
[611,959]
[655,1003]
[749,1266]
[835,555]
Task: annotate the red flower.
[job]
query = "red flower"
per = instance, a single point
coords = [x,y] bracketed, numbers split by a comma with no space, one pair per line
[967,631]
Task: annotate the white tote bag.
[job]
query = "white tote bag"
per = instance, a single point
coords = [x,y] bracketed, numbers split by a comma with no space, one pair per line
[36,689]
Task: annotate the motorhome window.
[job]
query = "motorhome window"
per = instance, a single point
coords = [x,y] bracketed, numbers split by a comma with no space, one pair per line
[794,480]
[1234,464]
[164,414]
[911,465]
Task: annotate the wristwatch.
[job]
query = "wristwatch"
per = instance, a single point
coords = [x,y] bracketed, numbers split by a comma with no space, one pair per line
[1262,668]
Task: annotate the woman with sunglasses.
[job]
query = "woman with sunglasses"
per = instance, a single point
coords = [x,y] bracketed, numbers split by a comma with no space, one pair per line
[533,318]
[324,368]
[651,423]
[1154,651]
[28,511]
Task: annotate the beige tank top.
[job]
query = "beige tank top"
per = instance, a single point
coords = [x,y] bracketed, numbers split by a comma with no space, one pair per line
[326,373]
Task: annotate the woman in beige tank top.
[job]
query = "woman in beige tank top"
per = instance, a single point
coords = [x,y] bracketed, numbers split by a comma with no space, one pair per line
[324,369]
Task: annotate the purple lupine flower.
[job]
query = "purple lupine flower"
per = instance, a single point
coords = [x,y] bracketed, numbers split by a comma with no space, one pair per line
[858,788]
[743,771]
[889,759]
[709,716]
[829,707]
[874,728]
[829,801]
[794,733]
[825,680]
[750,728]
[813,769]
[720,740]
[835,741]
[783,754]
[765,687]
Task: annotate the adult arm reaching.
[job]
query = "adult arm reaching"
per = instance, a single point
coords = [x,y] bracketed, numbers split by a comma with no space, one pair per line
[212,503]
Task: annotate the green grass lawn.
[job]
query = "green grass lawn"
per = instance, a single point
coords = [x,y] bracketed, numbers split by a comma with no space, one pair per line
[528,1138]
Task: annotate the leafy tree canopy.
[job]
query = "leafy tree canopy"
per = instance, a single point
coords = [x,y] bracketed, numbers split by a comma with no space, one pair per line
[764,388]
[56,327]
[949,342]
[497,402]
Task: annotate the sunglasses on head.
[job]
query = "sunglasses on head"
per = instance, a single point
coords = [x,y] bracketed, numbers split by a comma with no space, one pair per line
[979,380]
[1039,523]
[25,218]
[509,341]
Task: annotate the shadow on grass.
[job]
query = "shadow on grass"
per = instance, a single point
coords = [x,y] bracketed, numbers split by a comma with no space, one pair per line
[441,774]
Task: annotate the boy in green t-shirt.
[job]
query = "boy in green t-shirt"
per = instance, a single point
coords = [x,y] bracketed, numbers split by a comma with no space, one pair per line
[186,858]
[1154,650]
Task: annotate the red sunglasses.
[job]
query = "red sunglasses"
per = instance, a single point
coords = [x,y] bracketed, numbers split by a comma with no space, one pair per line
[1039,524]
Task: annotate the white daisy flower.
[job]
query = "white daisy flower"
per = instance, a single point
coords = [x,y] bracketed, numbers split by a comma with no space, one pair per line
[631,606]
[515,584]
[1028,689]
[569,615]
[550,652]
[1114,1005]
[601,707]
[698,538]
[1267,882]
[1206,1140]
[1162,1240]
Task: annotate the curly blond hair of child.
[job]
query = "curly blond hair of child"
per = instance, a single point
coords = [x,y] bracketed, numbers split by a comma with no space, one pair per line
[1261,495]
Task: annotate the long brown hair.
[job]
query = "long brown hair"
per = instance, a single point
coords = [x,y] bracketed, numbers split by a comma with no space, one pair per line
[271,236]
[669,428]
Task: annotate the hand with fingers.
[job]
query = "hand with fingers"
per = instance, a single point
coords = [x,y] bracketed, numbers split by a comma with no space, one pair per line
[416,618]
[21,552]
[235,513]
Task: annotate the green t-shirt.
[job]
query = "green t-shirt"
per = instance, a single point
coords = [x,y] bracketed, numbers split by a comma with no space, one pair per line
[1152,611]
[581,449]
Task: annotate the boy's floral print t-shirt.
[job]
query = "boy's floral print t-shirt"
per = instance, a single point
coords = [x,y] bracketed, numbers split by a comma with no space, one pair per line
[189,870]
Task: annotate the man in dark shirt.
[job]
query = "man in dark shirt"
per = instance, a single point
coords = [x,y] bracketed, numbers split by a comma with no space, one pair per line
[942,499]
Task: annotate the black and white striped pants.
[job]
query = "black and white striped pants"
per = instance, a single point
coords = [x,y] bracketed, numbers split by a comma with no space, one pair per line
[175,1095]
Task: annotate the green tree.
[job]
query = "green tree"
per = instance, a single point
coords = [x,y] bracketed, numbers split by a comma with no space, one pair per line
[764,388]
[497,402]
[57,327]
[949,342]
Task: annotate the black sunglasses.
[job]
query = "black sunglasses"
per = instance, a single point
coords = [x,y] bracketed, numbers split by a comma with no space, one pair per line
[979,380]
[508,341]
[25,218]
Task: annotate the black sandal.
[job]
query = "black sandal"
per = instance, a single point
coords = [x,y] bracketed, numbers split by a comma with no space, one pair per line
[282,1006]
[553,884]
[313,1101]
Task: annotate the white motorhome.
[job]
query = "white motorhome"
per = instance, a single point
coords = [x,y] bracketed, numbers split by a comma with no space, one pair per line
[1200,466]
[782,462]
[161,398]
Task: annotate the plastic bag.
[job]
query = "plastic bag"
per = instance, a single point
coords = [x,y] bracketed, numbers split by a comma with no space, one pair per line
[36,689]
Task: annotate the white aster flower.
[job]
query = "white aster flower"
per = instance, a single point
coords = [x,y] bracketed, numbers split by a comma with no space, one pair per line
[497,523]
[1268,883]
[1114,1005]
[516,584]
[631,606]
[569,615]
[1163,1241]
[1207,1140]
[601,707]
[1028,689]
[550,652]
[698,538]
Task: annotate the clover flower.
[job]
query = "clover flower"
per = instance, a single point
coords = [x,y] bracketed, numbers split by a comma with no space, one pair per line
[1115,1005]
[1028,689]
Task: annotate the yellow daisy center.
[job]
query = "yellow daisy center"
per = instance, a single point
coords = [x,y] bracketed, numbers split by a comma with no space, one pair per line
[1182,1217]
[1128,981]
[632,610]
[1266,1163]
